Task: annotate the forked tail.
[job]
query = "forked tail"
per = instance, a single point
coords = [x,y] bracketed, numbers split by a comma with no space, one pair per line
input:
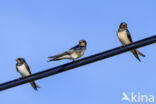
[34,85]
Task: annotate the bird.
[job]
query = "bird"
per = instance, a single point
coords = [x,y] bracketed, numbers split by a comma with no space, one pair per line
[125,38]
[23,68]
[73,53]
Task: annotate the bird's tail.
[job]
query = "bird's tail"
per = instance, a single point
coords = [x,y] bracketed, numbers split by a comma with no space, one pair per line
[34,85]
[135,54]
[141,54]
[54,59]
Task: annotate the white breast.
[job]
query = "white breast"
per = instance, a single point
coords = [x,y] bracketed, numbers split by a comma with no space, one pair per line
[74,55]
[123,37]
[78,54]
[83,51]
[23,71]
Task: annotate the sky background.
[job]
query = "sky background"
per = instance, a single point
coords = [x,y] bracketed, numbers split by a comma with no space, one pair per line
[36,29]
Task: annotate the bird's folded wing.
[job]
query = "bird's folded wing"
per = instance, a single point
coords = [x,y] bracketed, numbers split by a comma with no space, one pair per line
[129,36]
[59,55]
[27,67]
[17,68]
[75,47]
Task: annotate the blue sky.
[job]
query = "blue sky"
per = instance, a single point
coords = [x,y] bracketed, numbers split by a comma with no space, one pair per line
[36,29]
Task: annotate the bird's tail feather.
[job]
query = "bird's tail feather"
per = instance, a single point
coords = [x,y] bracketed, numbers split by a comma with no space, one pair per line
[135,54]
[141,54]
[54,59]
[34,85]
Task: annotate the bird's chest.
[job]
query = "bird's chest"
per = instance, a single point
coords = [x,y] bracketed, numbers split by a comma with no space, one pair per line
[123,37]
[23,70]
[78,53]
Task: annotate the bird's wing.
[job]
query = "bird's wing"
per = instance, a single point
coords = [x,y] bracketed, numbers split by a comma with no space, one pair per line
[26,65]
[75,47]
[59,55]
[17,68]
[129,36]
[70,51]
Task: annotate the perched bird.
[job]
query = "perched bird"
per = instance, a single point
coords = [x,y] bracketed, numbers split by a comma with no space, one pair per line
[73,53]
[125,38]
[23,68]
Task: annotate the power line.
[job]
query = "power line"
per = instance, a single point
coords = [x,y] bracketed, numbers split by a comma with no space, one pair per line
[78,63]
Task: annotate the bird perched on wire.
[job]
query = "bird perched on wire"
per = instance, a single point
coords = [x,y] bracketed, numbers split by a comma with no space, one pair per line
[23,68]
[125,38]
[73,53]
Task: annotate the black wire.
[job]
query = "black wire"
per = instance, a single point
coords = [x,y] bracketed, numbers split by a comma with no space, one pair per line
[78,63]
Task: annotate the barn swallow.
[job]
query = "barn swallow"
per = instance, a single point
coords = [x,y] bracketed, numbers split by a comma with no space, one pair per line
[125,38]
[23,68]
[73,53]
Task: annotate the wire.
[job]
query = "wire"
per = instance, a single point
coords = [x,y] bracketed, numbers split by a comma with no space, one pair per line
[78,63]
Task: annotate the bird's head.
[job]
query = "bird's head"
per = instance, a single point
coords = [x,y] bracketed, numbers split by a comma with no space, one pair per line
[82,43]
[20,60]
[123,25]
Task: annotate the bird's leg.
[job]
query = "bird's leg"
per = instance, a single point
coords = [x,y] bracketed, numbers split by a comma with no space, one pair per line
[74,60]
[23,77]
[123,45]
[20,78]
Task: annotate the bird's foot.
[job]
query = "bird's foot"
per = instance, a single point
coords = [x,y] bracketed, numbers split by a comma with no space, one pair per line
[20,78]
[123,46]
[74,60]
